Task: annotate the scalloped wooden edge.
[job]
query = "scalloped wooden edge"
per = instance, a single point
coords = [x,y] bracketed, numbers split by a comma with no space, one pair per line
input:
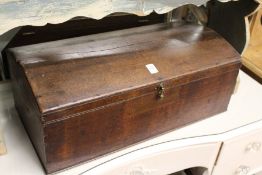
[95,12]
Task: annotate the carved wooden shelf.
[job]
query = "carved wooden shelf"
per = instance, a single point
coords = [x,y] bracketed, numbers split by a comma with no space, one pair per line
[14,13]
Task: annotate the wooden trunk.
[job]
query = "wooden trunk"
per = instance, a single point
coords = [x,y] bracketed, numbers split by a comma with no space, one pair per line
[85,97]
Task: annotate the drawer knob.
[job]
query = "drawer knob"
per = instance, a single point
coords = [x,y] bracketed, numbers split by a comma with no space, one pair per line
[140,171]
[254,147]
[242,170]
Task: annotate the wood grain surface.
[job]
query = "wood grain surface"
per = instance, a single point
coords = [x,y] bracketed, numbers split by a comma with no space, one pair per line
[28,35]
[252,57]
[107,75]
[85,97]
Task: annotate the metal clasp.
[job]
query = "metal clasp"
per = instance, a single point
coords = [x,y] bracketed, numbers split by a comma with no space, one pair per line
[160,91]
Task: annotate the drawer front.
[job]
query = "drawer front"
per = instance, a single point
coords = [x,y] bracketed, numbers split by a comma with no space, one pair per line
[161,160]
[241,155]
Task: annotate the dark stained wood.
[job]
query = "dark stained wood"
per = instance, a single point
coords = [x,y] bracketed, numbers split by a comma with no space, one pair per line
[228,19]
[27,108]
[86,97]
[79,26]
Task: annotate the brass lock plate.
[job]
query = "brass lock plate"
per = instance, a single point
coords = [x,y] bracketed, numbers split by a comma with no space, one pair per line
[161,91]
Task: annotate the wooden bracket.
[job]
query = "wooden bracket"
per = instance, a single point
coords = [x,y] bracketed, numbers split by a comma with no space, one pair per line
[252,59]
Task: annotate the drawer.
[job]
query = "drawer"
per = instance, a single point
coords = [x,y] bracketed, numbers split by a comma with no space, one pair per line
[241,155]
[161,159]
